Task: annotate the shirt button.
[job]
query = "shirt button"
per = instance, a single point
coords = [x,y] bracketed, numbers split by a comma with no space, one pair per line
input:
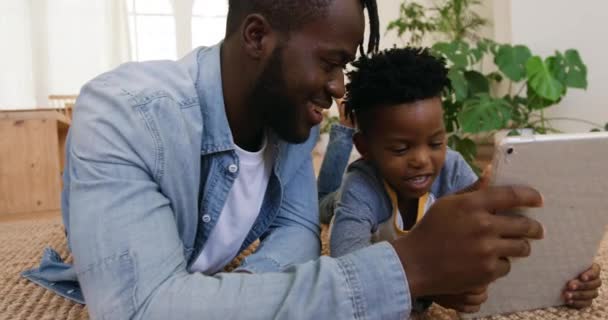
[206,218]
[233,168]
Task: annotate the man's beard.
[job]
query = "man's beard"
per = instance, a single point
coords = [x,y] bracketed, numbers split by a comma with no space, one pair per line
[270,97]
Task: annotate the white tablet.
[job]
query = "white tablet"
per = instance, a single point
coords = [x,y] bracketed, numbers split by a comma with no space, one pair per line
[571,172]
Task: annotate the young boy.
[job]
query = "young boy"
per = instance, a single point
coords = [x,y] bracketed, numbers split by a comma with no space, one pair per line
[395,100]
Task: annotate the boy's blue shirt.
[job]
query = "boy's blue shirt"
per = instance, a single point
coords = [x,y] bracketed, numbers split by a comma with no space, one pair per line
[362,202]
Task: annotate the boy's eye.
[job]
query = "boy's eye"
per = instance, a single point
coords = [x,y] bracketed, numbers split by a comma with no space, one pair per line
[399,150]
[437,144]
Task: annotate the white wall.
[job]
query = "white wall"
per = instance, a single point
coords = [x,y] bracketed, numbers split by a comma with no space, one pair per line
[16,84]
[547,25]
[54,47]
[388,11]
[79,52]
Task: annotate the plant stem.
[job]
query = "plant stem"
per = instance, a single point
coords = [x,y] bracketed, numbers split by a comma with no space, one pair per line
[542,120]
[521,89]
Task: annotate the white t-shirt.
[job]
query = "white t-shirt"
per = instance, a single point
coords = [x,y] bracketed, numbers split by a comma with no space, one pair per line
[240,211]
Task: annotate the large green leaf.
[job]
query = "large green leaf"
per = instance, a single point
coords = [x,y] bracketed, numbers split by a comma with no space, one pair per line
[477,82]
[466,147]
[457,52]
[577,70]
[536,102]
[450,114]
[557,66]
[542,81]
[459,83]
[484,113]
[512,61]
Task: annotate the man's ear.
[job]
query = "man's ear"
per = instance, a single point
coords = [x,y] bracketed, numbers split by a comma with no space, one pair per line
[361,144]
[259,39]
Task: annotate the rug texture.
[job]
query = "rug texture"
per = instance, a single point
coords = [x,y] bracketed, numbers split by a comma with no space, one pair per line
[22,242]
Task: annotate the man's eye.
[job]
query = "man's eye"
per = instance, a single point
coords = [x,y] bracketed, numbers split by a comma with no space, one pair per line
[330,66]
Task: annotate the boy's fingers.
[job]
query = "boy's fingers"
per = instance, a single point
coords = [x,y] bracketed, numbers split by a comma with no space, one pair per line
[591,273]
[576,284]
[581,295]
[576,304]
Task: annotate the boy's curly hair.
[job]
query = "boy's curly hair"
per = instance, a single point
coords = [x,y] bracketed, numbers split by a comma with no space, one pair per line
[391,77]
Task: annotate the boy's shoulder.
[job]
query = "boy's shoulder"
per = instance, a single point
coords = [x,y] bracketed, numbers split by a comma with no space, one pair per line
[361,172]
[363,186]
[455,175]
[363,180]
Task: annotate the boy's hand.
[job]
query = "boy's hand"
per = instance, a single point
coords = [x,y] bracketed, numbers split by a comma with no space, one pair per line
[581,291]
[345,120]
[467,302]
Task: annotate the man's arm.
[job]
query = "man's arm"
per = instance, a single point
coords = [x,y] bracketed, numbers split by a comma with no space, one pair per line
[130,260]
[293,237]
[335,160]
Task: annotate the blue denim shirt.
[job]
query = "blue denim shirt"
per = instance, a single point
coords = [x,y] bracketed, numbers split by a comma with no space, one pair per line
[334,164]
[147,175]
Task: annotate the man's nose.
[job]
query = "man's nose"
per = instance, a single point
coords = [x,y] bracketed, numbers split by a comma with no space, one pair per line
[335,86]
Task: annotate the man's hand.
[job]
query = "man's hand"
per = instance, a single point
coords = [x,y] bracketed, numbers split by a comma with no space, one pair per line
[580,292]
[461,244]
[481,183]
[467,302]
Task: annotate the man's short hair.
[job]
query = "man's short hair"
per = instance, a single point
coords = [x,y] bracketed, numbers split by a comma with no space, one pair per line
[288,15]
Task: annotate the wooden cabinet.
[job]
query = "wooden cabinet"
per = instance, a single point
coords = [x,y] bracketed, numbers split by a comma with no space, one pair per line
[32,144]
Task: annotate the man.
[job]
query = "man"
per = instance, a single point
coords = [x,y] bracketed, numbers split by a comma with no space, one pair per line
[174,167]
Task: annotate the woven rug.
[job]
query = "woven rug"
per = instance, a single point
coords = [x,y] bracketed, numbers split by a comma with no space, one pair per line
[22,242]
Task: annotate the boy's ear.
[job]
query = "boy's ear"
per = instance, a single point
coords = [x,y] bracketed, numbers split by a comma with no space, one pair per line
[361,144]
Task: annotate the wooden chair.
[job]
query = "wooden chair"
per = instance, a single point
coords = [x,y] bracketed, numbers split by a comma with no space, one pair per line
[63,103]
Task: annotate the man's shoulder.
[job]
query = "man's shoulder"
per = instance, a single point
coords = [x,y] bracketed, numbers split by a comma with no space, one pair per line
[139,83]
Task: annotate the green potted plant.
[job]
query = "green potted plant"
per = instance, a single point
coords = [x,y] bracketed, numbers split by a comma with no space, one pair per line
[513,94]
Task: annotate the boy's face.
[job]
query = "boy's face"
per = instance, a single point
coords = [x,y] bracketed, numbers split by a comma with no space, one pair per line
[407,144]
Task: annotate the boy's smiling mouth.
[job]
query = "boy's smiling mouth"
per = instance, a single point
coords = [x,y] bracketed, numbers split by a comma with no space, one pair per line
[419,182]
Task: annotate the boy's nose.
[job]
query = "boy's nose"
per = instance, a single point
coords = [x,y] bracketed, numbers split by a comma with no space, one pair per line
[419,159]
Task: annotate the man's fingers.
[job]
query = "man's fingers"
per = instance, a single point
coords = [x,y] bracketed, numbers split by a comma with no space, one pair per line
[513,248]
[467,308]
[503,267]
[502,198]
[468,302]
[517,227]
